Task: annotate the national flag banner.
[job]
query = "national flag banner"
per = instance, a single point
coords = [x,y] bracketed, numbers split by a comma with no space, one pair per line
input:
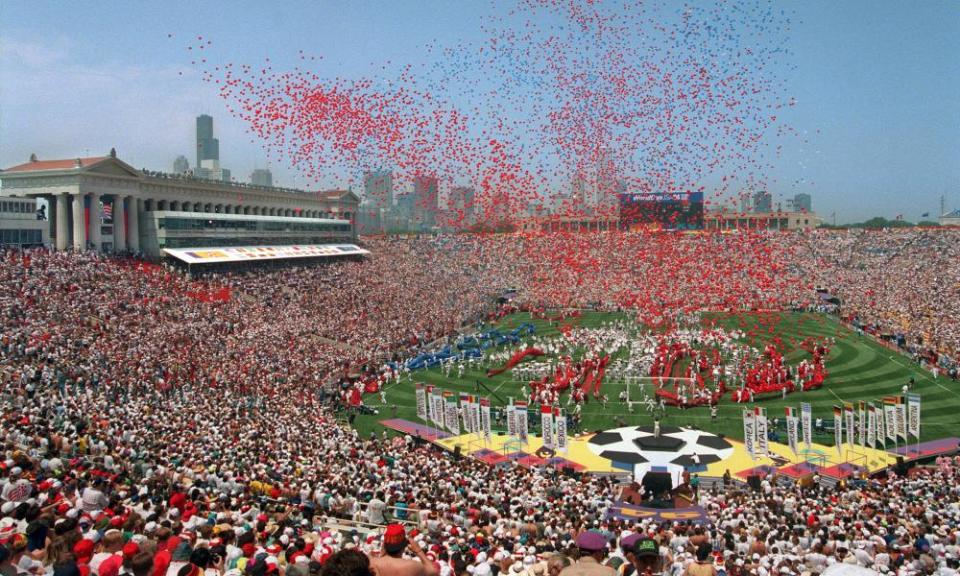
[438,409]
[902,417]
[806,415]
[863,424]
[106,211]
[872,426]
[792,428]
[750,433]
[520,414]
[475,415]
[452,419]
[838,427]
[561,420]
[890,415]
[485,419]
[848,414]
[761,423]
[913,415]
[511,420]
[465,409]
[421,402]
[546,424]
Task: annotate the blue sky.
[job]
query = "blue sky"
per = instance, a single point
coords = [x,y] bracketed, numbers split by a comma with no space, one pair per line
[877,84]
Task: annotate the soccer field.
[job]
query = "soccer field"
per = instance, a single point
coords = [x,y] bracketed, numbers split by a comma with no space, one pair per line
[859,369]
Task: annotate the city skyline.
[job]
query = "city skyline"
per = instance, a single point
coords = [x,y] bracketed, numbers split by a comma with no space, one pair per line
[872,82]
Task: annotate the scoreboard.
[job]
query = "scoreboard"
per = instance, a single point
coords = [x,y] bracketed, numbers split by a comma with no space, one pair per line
[662,211]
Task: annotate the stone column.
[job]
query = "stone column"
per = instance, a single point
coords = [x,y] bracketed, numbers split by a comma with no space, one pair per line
[133,241]
[79,226]
[63,225]
[119,224]
[94,232]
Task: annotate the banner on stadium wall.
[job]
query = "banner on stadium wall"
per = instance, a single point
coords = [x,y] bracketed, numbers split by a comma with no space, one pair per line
[761,424]
[806,414]
[872,426]
[902,417]
[421,402]
[848,415]
[561,419]
[862,429]
[838,427]
[749,433]
[485,419]
[436,406]
[511,420]
[913,412]
[890,416]
[546,425]
[792,428]
[520,414]
[452,418]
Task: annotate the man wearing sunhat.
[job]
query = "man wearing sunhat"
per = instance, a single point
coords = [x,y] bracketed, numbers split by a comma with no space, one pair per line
[593,549]
[392,562]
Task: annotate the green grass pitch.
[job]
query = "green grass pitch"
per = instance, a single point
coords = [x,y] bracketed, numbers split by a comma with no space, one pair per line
[859,369]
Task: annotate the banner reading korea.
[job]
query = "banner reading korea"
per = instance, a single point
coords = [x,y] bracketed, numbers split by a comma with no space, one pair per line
[485,418]
[913,410]
[838,427]
[806,414]
[520,414]
[421,402]
[902,417]
[546,424]
[792,428]
[561,419]
[761,423]
[749,433]
[872,426]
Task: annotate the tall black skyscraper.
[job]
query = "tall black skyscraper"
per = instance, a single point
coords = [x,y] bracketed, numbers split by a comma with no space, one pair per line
[208,147]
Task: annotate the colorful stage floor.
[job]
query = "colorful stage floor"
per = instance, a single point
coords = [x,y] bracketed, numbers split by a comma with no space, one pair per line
[583,455]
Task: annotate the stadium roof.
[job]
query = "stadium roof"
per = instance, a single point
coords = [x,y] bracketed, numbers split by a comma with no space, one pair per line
[40,165]
[242,217]
[234,254]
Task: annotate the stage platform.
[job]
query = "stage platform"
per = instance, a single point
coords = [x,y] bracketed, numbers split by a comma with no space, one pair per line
[930,449]
[634,450]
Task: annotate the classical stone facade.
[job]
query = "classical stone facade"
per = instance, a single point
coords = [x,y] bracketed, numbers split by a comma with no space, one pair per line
[76,189]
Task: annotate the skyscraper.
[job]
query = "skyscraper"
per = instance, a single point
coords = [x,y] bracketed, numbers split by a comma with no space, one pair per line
[762,202]
[208,152]
[378,188]
[208,147]
[181,165]
[426,199]
[800,203]
[261,177]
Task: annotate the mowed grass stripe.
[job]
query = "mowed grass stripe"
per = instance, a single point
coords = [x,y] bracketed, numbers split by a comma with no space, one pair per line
[859,369]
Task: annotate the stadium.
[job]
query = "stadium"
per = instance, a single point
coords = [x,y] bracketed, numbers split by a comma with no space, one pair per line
[565,329]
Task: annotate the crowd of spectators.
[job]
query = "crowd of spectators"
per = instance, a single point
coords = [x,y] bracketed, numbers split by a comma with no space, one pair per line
[148,430]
